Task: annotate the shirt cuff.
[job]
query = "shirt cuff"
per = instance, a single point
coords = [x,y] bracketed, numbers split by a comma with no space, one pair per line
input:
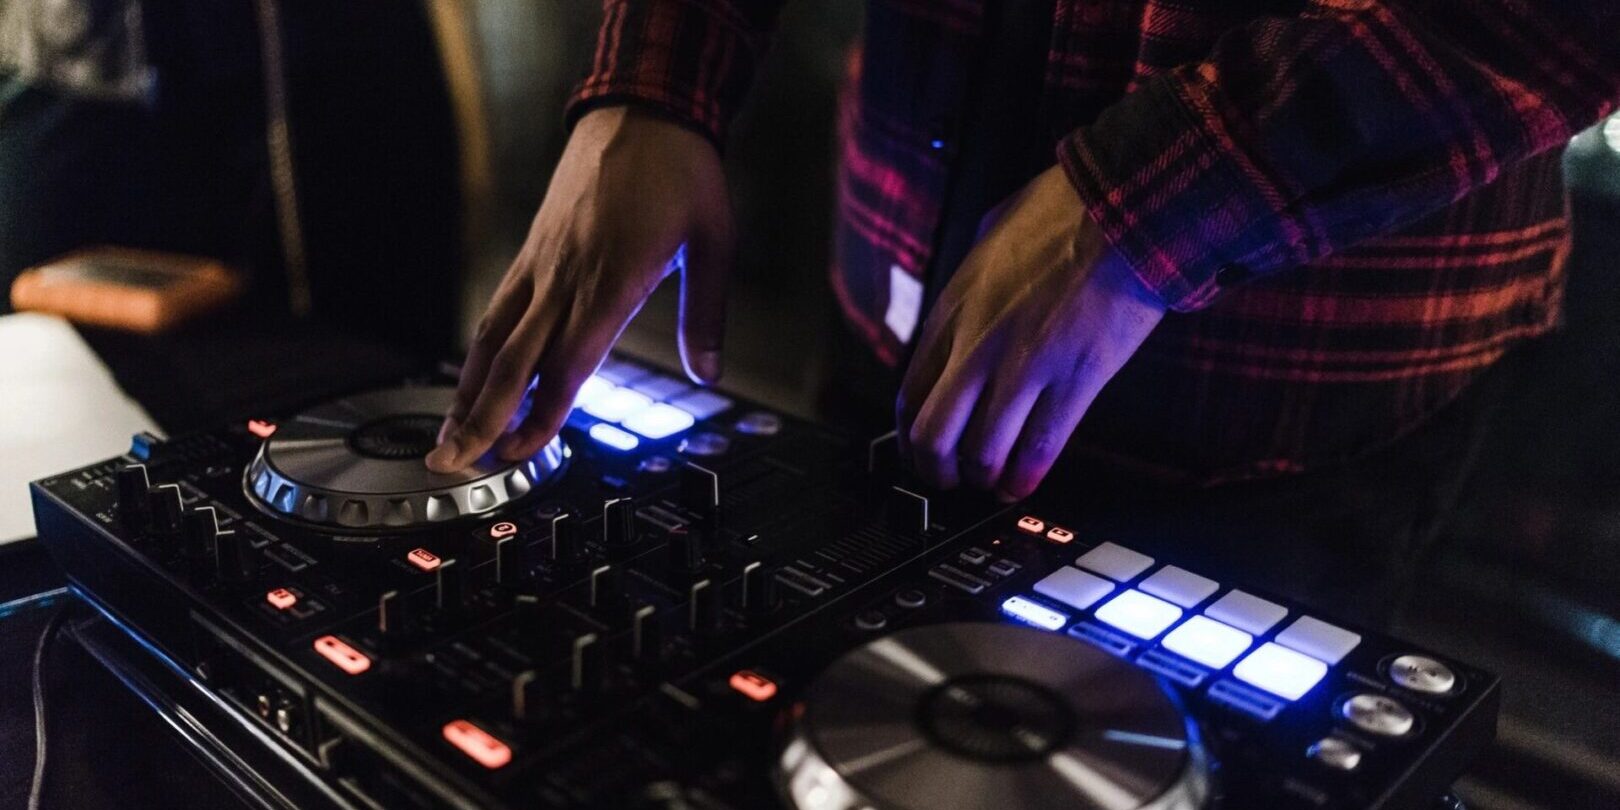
[1173,197]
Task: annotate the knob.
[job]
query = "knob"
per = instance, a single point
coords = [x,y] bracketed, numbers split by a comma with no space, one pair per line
[201,528]
[391,614]
[607,586]
[585,666]
[758,589]
[567,546]
[702,607]
[686,550]
[133,507]
[699,490]
[449,586]
[907,512]
[883,456]
[509,567]
[235,558]
[168,509]
[526,695]
[646,634]
[619,522]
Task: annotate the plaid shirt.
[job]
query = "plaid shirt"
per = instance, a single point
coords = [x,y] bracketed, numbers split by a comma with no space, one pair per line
[1352,207]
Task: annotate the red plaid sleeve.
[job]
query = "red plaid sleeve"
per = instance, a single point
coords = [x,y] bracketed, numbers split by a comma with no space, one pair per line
[691,60]
[1305,134]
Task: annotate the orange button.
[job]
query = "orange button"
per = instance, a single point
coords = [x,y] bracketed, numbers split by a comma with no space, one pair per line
[1031,524]
[477,743]
[1058,534]
[505,528]
[261,428]
[753,685]
[346,658]
[423,559]
[281,598]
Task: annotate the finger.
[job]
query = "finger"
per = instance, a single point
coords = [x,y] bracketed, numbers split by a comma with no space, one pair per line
[1046,432]
[581,343]
[939,423]
[504,385]
[997,421]
[705,263]
[506,308]
[927,363]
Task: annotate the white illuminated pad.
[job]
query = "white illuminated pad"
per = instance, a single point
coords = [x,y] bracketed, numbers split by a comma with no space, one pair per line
[1033,613]
[701,404]
[617,405]
[620,372]
[660,387]
[592,391]
[1318,639]
[1074,587]
[1246,612]
[659,421]
[1180,586]
[1137,613]
[613,437]
[1208,642]
[1114,561]
[1280,671]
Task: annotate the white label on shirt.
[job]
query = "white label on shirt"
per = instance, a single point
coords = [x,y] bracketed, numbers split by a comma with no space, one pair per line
[905,303]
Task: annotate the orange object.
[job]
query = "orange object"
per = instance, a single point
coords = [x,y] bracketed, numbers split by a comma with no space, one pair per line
[505,528]
[281,598]
[423,559]
[346,658]
[261,428]
[122,288]
[477,743]
[1058,534]
[1032,524]
[754,686]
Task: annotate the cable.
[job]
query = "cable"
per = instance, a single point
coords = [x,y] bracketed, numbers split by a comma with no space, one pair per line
[37,786]
[283,177]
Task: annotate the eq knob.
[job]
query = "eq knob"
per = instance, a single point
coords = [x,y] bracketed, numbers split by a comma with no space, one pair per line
[133,508]
[391,615]
[699,491]
[509,567]
[449,586]
[526,696]
[758,591]
[567,541]
[703,607]
[235,558]
[619,522]
[167,508]
[646,635]
[585,670]
[907,512]
[685,549]
[606,588]
[201,530]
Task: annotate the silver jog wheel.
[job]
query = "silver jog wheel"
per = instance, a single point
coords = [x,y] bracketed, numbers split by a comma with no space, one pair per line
[355,464]
[990,717]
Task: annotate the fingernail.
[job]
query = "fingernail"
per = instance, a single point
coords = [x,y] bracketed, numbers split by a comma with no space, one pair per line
[443,457]
[707,365]
[1005,496]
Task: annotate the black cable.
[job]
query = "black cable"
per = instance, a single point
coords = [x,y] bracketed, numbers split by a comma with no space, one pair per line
[45,636]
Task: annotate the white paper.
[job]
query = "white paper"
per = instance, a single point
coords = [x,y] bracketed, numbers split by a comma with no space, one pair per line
[905,303]
[59,409]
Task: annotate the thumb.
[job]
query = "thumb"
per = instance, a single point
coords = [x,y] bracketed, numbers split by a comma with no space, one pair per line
[704,263]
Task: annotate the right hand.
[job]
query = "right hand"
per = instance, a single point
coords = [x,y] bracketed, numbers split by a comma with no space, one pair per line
[630,190]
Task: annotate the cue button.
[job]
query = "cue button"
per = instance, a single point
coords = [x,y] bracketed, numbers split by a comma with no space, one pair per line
[1336,753]
[1376,714]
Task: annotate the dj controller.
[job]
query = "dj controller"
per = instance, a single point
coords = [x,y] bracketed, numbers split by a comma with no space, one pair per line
[690,601]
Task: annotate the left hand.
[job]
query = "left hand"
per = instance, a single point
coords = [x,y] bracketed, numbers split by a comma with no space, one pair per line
[1038,318]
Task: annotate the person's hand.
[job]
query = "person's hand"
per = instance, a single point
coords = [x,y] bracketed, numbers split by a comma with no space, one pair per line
[631,189]
[1038,318]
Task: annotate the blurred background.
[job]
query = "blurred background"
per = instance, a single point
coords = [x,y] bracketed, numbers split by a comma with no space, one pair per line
[422,138]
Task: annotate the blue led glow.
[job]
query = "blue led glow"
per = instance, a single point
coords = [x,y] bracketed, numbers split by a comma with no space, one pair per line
[659,421]
[1032,613]
[613,437]
[1208,642]
[594,389]
[617,405]
[1137,613]
[1280,671]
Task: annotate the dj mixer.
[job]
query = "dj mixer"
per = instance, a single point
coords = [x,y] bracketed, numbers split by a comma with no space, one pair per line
[688,600]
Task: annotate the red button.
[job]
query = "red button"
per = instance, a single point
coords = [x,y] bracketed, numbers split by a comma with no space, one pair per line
[261,428]
[505,528]
[1031,524]
[346,658]
[1058,534]
[423,559]
[477,743]
[754,686]
[281,598]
